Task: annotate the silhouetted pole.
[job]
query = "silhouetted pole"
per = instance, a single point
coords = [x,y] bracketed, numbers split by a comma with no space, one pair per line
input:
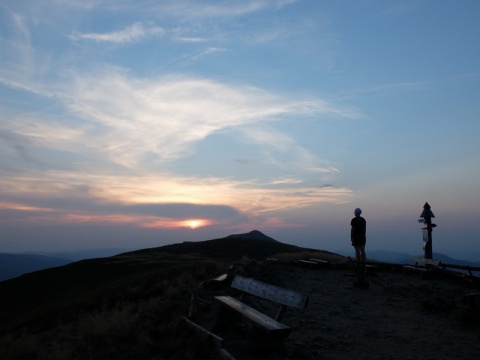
[427,216]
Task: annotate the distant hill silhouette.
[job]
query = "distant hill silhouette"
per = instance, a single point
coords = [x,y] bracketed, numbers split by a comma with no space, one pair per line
[82,254]
[254,245]
[13,265]
[254,235]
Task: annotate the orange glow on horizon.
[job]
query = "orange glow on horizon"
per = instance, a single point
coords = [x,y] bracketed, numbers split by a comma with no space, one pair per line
[194,223]
[168,223]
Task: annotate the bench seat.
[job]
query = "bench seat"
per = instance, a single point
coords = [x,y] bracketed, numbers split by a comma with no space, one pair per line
[262,321]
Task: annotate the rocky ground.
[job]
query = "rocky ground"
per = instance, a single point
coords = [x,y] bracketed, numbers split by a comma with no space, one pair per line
[398,317]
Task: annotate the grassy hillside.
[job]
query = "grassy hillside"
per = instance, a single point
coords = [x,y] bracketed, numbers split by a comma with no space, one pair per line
[123,307]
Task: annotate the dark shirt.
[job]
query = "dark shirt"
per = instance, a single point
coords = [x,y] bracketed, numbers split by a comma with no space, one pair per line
[359,229]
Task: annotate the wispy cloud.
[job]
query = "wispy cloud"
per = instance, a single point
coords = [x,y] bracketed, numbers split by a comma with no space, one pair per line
[135,120]
[416,85]
[206,52]
[283,152]
[196,10]
[133,33]
[191,39]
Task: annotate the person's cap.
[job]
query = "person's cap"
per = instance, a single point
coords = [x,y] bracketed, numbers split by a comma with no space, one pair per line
[358,211]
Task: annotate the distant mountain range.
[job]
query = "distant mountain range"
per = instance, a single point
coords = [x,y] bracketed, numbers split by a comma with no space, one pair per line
[76,255]
[403,258]
[14,265]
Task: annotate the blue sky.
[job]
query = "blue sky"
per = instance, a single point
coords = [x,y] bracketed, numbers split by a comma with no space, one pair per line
[136,124]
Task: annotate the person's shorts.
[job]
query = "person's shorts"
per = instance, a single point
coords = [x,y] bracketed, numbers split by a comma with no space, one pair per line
[359,242]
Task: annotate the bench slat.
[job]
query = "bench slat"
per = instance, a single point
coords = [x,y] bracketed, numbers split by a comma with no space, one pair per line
[270,292]
[261,320]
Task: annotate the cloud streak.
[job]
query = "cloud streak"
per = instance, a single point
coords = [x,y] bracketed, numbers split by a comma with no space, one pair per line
[133,33]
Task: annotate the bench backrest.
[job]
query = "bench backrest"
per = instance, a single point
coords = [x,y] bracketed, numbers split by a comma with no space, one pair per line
[270,292]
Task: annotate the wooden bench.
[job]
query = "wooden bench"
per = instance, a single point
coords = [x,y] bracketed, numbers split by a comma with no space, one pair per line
[429,265]
[221,282]
[283,298]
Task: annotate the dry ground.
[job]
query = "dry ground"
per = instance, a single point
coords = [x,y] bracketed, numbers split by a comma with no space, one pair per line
[398,317]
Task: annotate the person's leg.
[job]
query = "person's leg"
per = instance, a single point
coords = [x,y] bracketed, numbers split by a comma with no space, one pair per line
[361,259]
[358,254]
[363,256]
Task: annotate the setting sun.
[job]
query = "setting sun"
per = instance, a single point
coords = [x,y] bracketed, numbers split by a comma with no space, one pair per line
[193,224]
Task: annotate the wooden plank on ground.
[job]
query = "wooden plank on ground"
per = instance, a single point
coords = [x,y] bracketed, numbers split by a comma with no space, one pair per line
[320,261]
[308,264]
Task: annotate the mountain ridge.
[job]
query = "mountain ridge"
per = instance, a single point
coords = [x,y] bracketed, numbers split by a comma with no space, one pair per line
[13,265]
[254,234]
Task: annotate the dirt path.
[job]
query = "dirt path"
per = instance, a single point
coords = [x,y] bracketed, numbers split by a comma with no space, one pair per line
[398,317]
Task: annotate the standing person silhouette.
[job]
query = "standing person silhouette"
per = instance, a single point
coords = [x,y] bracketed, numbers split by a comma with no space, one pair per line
[358,236]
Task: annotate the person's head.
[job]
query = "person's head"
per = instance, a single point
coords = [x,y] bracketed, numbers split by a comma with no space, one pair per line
[358,211]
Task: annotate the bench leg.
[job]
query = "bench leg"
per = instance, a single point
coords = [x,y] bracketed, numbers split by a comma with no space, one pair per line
[224,316]
[265,344]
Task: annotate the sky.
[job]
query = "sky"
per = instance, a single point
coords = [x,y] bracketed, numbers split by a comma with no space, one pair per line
[140,123]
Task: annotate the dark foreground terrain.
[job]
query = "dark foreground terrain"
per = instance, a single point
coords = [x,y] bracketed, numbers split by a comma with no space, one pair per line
[131,306]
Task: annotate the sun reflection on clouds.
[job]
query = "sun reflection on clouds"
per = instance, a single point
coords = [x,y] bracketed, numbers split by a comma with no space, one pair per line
[146,201]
